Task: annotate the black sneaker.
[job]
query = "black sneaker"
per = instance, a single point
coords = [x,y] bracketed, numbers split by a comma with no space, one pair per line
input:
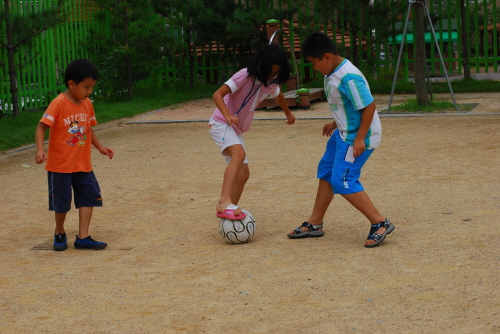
[89,243]
[60,242]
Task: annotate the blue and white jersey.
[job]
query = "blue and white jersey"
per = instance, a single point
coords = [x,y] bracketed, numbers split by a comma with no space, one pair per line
[348,93]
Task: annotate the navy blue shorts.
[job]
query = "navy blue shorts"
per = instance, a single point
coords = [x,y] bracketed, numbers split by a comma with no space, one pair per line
[83,185]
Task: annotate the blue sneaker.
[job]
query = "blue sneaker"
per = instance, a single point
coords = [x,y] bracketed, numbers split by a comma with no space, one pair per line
[89,243]
[60,242]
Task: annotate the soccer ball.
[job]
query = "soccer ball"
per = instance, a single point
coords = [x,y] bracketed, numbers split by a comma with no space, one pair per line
[238,231]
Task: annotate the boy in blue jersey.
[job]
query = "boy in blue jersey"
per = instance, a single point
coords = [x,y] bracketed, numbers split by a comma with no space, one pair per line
[354,134]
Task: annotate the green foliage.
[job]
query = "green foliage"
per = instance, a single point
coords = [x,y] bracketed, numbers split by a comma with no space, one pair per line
[17,32]
[468,86]
[26,26]
[384,86]
[133,49]
[246,30]
[20,131]
[214,14]
[198,22]
[111,82]
[356,19]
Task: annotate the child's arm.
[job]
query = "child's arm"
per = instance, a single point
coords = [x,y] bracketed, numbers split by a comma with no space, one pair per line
[219,102]
[328,128]
[97,144]
[366,120]
[39,140]
[282,103]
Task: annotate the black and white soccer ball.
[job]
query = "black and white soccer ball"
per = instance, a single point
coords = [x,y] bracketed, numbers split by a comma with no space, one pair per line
[238,231]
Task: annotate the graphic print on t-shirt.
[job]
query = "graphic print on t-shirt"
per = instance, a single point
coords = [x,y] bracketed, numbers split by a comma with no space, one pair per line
[78,134]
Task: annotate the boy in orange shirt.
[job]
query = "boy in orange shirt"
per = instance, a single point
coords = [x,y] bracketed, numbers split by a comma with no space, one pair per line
[70,117]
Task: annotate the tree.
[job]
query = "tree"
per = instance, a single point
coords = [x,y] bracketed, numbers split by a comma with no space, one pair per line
[200,22]
[357,18]
[135,45]
[20,29]
[420,57]
[245,31]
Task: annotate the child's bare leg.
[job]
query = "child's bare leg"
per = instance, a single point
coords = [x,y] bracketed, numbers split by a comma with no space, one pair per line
[85,215]
[237,154]
[239,184]
[60,219]
[324,197]
[362,202]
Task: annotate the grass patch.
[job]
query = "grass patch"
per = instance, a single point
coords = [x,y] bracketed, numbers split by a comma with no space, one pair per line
[16,132]
[436,106]
[151,99]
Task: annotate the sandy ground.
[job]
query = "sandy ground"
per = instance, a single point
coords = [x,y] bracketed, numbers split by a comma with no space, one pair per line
[167,270]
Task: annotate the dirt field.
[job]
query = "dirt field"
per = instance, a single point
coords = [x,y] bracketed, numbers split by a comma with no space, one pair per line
[167,270]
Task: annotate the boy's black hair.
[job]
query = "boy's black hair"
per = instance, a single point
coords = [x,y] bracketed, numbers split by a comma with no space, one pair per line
[260,67]
[79,70]
[316,45]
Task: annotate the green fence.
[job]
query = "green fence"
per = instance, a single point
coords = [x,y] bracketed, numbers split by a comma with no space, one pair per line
[41,80]
[481,27]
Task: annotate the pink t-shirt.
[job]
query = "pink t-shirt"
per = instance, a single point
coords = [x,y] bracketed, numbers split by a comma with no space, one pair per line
[244,98]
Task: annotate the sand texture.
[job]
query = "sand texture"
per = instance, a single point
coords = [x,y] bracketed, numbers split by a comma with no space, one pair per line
[167,270]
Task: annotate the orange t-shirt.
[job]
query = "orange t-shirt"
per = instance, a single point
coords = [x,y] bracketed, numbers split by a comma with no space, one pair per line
[70,140]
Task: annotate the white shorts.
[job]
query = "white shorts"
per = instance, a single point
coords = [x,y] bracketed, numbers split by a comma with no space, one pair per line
[224,136]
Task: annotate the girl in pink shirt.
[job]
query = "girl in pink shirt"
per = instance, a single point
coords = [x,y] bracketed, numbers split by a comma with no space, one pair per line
[236,101]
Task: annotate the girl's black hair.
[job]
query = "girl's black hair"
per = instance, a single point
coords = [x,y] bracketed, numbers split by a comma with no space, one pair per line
[79,70]
[260,67]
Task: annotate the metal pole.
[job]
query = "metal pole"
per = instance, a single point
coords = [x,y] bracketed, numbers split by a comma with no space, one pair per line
[441,57]
[401,51]
[399,56]
[292,48]
[428,81]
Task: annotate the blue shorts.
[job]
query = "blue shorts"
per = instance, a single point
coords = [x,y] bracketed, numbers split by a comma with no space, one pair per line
[85,188]
[339,167]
